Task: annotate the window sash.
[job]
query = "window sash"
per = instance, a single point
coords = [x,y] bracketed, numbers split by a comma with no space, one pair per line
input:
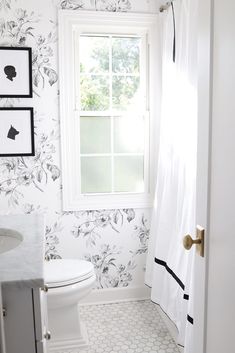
[112,154]
[143,67]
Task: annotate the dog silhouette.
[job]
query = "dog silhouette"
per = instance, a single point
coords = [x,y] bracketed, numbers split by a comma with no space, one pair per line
[12,133]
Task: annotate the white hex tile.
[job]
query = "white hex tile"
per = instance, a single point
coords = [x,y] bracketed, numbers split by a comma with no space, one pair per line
[129,327]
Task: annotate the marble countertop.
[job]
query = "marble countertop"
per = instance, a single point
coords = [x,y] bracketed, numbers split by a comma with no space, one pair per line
[24,265]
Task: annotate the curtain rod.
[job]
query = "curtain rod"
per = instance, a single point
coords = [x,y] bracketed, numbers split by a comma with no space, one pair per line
[166,6]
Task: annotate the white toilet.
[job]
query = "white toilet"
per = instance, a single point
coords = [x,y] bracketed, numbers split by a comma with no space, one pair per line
[68,282]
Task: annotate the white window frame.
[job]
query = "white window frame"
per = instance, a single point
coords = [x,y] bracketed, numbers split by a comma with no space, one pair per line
[72,24]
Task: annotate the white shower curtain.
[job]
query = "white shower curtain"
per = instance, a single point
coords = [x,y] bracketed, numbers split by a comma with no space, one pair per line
[168,264]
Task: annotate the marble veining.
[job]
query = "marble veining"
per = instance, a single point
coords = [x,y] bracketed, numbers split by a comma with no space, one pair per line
[24,265]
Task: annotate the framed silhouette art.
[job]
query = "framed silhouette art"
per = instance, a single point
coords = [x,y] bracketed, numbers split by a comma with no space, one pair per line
[16,132]
[16,72]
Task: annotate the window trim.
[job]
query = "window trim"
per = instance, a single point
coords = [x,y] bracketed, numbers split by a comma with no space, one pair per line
[69,21]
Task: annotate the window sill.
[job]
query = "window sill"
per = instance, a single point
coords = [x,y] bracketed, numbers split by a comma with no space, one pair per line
[91,202]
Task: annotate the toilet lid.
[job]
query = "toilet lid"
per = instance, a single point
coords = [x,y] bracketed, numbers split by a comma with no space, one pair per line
[62,272]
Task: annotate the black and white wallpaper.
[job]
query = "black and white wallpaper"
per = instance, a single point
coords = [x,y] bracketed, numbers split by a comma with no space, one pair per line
[114,240]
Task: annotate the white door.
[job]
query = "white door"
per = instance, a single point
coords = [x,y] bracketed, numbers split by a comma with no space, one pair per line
[220,308]
[203,155]
[214,282]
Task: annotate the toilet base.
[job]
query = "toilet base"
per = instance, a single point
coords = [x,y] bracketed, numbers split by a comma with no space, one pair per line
[68,333]
[56,345]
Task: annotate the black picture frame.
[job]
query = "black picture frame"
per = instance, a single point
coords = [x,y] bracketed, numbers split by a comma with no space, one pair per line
[16,132]
[16,72]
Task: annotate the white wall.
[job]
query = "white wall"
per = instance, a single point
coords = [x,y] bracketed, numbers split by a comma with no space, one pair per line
[221,296]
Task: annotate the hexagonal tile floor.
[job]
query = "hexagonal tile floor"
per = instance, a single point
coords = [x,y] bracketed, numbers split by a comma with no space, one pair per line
[129,327]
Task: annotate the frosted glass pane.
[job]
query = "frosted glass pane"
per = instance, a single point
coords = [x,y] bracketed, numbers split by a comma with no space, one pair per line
[95,174]
[126,54]
[125,92]
[94,92]
[128,134]
[94,54]
[129,174]
[95,134]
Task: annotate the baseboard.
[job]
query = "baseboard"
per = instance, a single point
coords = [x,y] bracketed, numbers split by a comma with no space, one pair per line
[115,295]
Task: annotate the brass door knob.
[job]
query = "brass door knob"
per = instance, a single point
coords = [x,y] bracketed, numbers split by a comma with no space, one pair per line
[199,241]
[188,241]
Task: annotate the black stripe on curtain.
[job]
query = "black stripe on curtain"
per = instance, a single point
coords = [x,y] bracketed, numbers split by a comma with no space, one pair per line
[176,278]
[170,271]
[174,45]
[190,319]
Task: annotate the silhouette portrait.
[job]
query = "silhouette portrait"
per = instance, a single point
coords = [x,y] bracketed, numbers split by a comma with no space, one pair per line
[10,72]
[12,133]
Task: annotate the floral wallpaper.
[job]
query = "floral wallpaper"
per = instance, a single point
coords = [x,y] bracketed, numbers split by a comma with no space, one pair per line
[114,240]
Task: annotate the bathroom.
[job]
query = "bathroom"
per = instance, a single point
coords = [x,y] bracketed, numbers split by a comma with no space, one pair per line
[115,240]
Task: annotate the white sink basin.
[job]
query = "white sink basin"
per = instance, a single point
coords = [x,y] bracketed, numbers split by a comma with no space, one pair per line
[9,239]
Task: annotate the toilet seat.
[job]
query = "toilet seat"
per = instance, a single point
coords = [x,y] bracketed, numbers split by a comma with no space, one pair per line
[64,272]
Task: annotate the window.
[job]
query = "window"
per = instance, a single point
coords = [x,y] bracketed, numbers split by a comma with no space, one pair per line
[105,109]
